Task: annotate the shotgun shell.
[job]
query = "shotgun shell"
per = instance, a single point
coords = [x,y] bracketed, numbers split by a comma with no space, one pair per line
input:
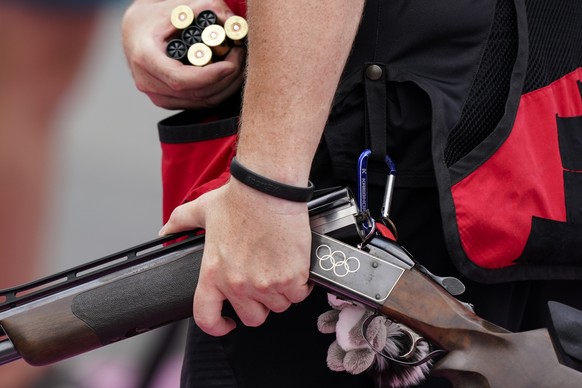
[182,16]
[192,34]
[236,29]
[199,54]
[214,37]
[206,18]
[177,50]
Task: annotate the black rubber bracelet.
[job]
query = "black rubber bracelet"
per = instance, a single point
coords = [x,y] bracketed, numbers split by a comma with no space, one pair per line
[269,186]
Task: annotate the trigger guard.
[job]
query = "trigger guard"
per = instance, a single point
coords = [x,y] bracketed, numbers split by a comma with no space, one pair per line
[401,360]
[414,340]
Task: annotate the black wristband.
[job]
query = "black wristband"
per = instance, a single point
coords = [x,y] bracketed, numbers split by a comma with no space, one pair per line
[269,186]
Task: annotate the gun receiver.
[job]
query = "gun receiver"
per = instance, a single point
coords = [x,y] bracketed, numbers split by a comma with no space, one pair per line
[153,284]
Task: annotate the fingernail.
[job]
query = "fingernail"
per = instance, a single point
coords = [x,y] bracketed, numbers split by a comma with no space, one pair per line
[161,232]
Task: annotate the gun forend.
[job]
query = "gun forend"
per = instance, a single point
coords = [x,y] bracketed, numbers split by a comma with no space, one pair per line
[106,309]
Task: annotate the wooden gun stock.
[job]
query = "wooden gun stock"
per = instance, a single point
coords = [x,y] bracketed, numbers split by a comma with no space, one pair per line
[480,354]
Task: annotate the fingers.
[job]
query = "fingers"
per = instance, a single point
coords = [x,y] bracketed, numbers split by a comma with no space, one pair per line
[253,312]
[208,303]
[279,303]
[206,79]
[172,85]
[169,83]
[273,300]
[185,217]
[238,264]
[250,312]
[181,77]
[298,294]
[274,295]
[168,76]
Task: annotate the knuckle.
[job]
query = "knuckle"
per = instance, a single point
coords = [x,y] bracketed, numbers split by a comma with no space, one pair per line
[297,298]
[298,295]
[238,285]
[141,86]
[178,215]
[209,326]
[203,322]
[198,95]
[285,283]
[262,285]
[174,82]
[255,320]
[157,100]
[280,307]
[212,101]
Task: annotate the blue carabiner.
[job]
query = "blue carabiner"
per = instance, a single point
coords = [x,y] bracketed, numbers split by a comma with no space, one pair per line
[363,180]
[369,224]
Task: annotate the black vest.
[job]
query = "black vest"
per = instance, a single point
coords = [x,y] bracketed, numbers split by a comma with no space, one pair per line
[483,99]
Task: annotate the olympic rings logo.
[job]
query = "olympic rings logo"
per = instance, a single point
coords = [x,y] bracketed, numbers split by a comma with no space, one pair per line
[336,261]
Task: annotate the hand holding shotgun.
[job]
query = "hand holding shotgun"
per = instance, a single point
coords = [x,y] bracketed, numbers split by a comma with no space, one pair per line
[150,285]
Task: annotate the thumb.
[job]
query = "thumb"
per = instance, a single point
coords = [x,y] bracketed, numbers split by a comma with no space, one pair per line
[188,216]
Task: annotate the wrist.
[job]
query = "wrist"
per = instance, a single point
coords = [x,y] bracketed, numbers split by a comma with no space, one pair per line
[251,200]
[270,186]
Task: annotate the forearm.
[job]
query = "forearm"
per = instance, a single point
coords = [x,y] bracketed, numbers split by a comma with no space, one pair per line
[297,51]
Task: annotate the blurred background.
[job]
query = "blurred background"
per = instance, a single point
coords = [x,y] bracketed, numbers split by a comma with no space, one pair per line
[98,174]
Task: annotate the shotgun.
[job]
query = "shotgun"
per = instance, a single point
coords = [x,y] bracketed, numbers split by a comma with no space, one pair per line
[151,285]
